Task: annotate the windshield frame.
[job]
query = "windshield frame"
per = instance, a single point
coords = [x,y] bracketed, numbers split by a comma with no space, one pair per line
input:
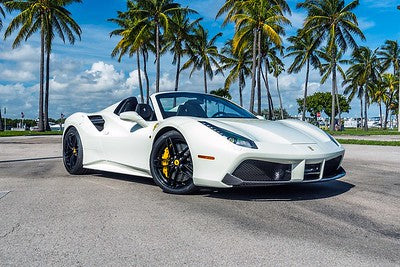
[215,98]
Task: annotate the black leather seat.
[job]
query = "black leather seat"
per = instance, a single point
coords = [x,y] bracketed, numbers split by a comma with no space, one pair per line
[191,108]
[128,104]
[145,111]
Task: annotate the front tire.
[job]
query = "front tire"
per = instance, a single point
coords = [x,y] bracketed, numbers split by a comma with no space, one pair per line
[73,152]
[171,164]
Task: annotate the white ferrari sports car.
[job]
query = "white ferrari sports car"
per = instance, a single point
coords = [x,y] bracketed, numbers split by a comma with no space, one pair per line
[186,140]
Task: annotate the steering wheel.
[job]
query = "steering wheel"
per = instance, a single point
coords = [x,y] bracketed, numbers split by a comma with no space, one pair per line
[218,114]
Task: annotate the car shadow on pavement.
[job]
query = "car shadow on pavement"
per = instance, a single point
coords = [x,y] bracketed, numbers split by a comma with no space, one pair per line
[123,177]
[293,192]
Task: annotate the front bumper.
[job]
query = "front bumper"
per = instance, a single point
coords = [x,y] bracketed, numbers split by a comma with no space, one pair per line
[260,173]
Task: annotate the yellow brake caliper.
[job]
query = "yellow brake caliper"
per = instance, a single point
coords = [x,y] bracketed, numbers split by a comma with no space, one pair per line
[165,162]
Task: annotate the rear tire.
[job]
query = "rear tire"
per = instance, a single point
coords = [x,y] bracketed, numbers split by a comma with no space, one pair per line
[171,164]
[73,152]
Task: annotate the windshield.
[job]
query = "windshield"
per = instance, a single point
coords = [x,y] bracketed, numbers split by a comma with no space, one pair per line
[199,105]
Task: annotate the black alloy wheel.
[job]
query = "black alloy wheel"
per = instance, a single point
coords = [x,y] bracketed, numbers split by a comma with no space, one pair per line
[171,164]
[72,152]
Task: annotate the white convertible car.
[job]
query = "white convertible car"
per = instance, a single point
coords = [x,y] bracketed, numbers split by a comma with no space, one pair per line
[186,140]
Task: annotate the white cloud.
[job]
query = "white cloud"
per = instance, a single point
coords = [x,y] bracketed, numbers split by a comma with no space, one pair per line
[23,53]
[16,75]
[380,3]
[297,19]
[365,24]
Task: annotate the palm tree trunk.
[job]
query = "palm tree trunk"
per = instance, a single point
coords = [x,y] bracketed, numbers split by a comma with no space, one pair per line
[380,114]
[178,71]
[46,92]
[158,57]
[396,69]
[269,97]
[338,107]
[303,115]
[253,71]
[240,90]
[361,110]
[259,74]
[41,122]
[139,75]
[365,109]
[146,76]
[205,78]
[387,112]
[333,109]
[279,95]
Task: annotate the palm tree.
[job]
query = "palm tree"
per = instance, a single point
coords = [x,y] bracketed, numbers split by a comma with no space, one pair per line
[334,21]
[62,24]
[366,68]
[238,64]
[254,18]
[378,95]
[222,92]
[179,36]
[390,56]
[389,83]
[257,20]
[329,67]
[203,54]
[46,16]
[128,42]
[155,14]
[353,87]
[278,67]
[303,49]
[269,55]
[2,14]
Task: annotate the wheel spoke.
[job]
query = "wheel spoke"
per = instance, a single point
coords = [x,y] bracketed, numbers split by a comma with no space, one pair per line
[173,148]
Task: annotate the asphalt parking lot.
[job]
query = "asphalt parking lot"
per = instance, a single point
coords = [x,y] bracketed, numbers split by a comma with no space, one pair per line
[48,217]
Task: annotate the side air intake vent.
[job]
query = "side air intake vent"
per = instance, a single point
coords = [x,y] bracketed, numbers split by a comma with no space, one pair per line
[97,121]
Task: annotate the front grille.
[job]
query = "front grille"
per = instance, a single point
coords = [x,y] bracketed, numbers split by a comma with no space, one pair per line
[258,171]
[312,171]
[331,166]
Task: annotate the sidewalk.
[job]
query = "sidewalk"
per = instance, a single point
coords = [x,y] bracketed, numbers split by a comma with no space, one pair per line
[370,137]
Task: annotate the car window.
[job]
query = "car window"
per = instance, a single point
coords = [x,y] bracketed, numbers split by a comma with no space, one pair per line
[199,105]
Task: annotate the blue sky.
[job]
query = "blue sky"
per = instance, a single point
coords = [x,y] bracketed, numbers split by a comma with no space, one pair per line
[85,78]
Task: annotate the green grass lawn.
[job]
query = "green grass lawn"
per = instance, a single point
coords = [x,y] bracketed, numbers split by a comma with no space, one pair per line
[368,142]
[28,133]
[360,132]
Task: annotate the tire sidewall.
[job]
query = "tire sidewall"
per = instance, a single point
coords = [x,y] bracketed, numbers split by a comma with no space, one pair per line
[174,135]
[78,168]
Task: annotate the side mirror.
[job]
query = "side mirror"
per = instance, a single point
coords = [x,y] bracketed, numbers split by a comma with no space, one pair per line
[134,117]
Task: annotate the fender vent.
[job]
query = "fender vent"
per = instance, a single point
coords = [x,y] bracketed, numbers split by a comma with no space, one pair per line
[97,121]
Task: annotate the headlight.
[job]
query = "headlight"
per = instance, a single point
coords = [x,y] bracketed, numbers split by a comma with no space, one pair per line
[231,136]
[332,139]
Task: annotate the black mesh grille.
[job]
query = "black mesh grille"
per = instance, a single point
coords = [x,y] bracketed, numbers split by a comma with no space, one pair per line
[312,171]
[331,166]
[258,171]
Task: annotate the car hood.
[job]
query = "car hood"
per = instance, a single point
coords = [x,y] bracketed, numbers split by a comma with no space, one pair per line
[283,131]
